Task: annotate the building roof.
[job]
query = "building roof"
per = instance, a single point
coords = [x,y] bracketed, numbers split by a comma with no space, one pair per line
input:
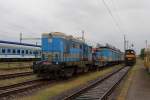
[17,43]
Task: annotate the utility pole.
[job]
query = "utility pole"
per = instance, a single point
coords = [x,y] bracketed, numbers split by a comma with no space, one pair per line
[20,37]
[127,44]
[36,43]
[83,44]
[146,44]
[83,35]
[124,42]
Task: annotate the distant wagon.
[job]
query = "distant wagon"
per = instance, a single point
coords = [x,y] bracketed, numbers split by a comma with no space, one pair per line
[106,55]
[14,51]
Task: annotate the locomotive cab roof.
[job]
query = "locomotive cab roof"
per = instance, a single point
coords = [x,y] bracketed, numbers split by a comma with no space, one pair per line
[61,35]
[129,51]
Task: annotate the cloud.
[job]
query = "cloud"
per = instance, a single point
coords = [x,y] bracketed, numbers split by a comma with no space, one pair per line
[33,17]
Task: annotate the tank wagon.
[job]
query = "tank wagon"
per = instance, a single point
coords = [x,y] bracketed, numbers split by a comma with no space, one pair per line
[63,56]
[14,51]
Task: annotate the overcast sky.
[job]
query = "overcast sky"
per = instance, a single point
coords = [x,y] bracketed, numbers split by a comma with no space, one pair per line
[33,17]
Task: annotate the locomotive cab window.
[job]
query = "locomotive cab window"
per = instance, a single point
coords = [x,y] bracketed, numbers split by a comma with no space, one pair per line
[80,46]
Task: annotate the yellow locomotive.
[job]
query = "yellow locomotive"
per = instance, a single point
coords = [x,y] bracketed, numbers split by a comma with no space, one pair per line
[130,57]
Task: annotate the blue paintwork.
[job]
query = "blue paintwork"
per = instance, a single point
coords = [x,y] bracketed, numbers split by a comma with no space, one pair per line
[108,54]
[56,45]
[73,49]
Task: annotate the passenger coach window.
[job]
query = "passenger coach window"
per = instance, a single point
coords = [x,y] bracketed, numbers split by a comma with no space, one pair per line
[26,51]
[22,52]
[14,51]
[8,50]
[3,50]
[30,52]
[18,51]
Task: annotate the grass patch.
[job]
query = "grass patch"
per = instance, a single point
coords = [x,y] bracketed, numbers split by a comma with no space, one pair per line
[59,88]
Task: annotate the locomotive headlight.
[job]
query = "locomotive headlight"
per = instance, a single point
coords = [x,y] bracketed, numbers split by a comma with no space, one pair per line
[129,58]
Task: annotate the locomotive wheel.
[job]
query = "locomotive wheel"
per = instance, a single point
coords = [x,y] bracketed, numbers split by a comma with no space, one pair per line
[86,69]
[68,72]
[149,69]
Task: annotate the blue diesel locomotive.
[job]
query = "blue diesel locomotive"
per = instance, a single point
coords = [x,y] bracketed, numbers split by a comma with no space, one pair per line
[63,56]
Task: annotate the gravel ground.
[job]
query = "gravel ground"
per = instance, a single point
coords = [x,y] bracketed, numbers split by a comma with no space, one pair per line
[136,85]
[12,81]
[67,86]
[5,72]
[140,87]
[14,65]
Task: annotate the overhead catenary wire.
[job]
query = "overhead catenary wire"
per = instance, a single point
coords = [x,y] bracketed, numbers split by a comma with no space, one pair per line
[117,15]
[115,20]
[111,14]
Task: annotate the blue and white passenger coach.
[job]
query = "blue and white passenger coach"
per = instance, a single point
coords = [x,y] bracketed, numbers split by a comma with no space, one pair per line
[14,51]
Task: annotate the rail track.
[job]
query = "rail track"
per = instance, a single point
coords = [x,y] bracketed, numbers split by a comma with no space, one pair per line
[14,75]
[101,88]
[7,91]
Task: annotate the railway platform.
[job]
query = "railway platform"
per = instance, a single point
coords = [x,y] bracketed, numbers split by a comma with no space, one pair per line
[137,84]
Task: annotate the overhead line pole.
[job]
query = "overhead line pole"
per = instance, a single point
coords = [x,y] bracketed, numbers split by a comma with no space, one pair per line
[128,45]
[124,42]
[20,37]
[146,43]
[83,35]
[115,21]
[146,46]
